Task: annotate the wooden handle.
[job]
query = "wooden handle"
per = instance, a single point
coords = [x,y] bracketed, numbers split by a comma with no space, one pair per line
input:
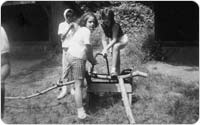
[126,102]
[105,57]
[133,74]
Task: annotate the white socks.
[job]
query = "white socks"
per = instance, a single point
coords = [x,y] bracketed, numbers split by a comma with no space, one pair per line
[81,113]
[72,91]
[63,92]
[113,69]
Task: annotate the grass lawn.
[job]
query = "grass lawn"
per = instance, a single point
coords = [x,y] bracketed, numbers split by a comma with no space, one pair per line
[157,99]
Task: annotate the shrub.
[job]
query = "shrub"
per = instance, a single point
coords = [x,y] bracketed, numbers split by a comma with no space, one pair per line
[137,21]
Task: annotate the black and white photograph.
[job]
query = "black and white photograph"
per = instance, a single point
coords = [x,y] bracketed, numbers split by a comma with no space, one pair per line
[99,62]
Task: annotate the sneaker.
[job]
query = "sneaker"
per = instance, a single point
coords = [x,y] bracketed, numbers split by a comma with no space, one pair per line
[114,75]
[72,91]
[82,114]
[63,92]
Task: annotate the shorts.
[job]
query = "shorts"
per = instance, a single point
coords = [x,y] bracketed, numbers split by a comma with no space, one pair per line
[73,67]
[124,40]
[121,43]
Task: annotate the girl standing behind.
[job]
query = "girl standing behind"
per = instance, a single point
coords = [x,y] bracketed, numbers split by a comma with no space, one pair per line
[113,38]
[66,30]
[80,50]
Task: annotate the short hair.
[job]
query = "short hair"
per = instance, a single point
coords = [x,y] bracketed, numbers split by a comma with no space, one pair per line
[107,14]
[83,20]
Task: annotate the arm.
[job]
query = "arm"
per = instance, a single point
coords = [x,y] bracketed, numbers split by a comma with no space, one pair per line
[5,66]
[104,41]
[89,50]
[90,56]
[113,40]
[63,36]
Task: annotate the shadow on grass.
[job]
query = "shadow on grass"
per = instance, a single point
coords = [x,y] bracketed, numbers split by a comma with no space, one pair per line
[36,72]
[192,69]
[182,56]
[97,102]
[186,108]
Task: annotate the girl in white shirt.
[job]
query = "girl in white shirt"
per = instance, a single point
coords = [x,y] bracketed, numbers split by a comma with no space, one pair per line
[80,50]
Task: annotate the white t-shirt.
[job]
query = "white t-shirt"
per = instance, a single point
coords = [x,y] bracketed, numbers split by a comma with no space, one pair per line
[63,27]
[5,47]
[78,43]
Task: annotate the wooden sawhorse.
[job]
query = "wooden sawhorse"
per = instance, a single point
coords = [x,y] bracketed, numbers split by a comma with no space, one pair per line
[100,83]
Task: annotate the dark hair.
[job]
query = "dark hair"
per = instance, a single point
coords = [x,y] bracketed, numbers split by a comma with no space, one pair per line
[83,20]
[108,14]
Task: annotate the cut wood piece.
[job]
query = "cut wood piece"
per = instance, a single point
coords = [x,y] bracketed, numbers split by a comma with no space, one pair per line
[130,95]
[126,101]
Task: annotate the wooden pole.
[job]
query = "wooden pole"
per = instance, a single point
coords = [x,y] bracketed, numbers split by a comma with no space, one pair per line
[125,101]
[41,92]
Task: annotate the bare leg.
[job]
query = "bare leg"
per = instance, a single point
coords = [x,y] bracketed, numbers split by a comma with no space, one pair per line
[65,70]
[2,99]
[118,63]
[116,53]
[79,99]
[5,71]
[116,58]
[78,94]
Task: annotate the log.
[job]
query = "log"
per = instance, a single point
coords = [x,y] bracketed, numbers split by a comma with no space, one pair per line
[126,101]
[134,74]
[42,92]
